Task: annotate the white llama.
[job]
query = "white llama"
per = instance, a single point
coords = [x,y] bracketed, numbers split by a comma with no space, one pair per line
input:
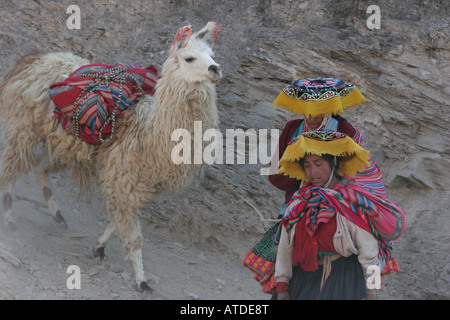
[132,168]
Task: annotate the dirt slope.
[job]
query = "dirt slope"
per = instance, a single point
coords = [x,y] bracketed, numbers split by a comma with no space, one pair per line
[195,241]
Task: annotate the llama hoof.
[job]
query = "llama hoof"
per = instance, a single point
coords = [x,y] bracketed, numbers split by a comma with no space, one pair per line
[60,219]
[144,287]
[99,253]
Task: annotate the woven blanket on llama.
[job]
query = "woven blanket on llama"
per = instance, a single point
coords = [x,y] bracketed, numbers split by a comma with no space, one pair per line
[93,96]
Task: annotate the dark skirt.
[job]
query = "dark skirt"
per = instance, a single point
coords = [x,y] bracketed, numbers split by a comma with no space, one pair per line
[346,282]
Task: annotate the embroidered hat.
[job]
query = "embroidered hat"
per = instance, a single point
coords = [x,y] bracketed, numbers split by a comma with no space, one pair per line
[319,96]
[353,158]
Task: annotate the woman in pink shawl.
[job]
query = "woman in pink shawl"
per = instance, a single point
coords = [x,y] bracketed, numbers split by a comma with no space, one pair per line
[333,230]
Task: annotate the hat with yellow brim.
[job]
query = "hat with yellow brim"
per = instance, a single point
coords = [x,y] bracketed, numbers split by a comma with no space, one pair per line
[353,158]
[319,96]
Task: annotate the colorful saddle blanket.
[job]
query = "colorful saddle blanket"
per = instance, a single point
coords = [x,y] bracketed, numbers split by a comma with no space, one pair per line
[92,97]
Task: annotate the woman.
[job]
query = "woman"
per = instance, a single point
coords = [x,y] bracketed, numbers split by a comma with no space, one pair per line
[320,100]
[329,234]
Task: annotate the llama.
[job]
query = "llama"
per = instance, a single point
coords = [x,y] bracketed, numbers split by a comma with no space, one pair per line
[132,168]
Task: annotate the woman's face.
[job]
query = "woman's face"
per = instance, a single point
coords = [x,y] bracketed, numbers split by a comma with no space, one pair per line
[317,170]
[314,122]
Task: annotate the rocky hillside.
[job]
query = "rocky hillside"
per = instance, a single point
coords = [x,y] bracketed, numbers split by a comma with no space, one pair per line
[401,68]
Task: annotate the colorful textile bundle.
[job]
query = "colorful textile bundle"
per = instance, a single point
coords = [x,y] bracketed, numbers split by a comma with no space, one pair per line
[371,178]
[375,215]
[261,259]
[91,98]
[319,96]
[383,215]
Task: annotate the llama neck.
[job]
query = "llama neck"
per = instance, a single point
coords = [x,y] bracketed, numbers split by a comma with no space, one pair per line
[178,105]
[152,126]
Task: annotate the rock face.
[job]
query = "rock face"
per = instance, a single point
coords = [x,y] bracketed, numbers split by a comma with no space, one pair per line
[402,68]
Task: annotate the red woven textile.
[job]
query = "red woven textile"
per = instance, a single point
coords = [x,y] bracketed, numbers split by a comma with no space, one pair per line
[99,97]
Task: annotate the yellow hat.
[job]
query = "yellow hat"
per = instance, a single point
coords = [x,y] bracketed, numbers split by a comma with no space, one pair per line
[319,96]
[353,158]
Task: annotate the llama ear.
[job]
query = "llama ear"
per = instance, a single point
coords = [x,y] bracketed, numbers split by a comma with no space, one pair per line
[182,38]
[209,32]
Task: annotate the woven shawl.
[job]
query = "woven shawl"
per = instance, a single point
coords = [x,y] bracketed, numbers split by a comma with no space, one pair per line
[380,217]
[95,99]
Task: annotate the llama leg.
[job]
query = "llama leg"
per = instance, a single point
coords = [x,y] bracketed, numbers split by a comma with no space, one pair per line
[129,231]
[99,249]
[7,207]
[41,174]
[15,162]
[18,158]
[136,259]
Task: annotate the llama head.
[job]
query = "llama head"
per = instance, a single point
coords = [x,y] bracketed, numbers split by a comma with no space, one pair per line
[192,55]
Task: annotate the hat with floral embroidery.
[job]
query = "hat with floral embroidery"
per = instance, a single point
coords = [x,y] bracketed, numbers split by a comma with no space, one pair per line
[319,96]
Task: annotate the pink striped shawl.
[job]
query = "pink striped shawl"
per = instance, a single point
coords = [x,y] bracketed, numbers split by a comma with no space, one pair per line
[376,215]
